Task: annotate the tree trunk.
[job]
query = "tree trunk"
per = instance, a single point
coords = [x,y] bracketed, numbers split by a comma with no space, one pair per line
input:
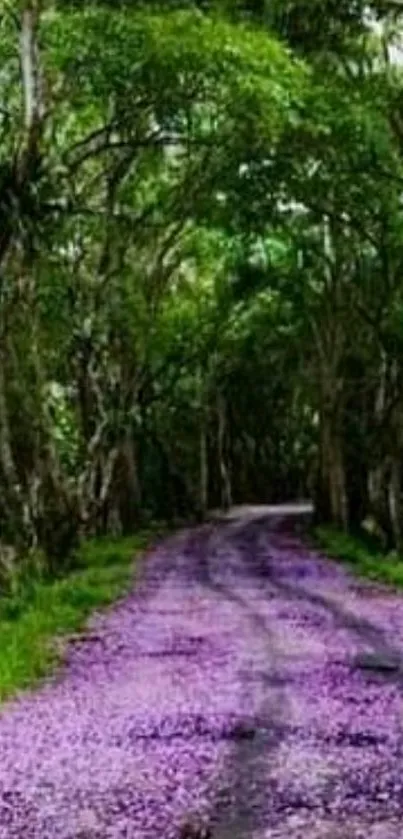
[203,494]
[332,502]
[394,502]
[128,485]
[225,491]
[11,489]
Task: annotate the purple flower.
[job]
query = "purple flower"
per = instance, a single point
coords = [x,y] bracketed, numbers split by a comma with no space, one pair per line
[230,696]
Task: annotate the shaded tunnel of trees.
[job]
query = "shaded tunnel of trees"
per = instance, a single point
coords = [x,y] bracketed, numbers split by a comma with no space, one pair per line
[201,264]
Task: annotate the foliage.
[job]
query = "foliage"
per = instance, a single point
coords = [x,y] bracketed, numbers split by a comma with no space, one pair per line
[362,555]
[200,265]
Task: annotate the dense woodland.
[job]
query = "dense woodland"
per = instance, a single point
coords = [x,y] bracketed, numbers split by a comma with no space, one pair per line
[201,264]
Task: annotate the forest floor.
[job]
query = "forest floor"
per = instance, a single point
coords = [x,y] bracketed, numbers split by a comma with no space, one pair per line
[247,684]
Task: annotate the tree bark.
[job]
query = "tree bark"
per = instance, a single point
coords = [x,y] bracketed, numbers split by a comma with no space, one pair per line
[332,501]
[394,502]
[203,489]
[226,490]
[128,485]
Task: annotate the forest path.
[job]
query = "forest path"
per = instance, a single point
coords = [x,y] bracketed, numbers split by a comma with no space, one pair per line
[247,683]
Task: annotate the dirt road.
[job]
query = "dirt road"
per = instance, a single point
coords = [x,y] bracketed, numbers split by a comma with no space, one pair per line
[247,684]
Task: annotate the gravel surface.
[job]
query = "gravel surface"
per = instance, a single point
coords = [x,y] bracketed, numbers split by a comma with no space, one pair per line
[247,688]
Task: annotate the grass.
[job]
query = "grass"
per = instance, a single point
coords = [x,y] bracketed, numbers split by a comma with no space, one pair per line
[44,611]
[362,555]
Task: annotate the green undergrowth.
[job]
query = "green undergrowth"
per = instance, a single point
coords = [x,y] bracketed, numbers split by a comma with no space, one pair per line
[362,555]
[34,619]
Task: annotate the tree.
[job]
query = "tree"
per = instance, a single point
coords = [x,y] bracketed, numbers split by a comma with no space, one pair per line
[118,165]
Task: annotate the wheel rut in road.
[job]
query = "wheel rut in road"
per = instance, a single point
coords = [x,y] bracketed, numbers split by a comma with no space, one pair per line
[247,688]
